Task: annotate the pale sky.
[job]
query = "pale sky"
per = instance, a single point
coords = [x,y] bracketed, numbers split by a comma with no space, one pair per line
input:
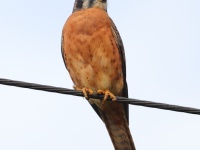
[162,47]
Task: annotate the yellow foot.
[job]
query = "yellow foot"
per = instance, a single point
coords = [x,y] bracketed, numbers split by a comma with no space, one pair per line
[85,91]
[106,93]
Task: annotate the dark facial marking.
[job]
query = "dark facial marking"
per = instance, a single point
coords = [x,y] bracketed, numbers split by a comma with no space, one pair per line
[79,4]
[90,3]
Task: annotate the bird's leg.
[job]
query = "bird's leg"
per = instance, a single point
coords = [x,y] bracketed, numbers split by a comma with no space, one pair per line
[85,91]
[106,93]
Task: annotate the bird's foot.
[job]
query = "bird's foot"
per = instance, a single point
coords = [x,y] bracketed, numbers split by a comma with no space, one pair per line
[86,91]
[106,93]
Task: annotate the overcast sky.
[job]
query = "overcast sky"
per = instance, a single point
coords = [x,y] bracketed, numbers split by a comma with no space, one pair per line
[162,46]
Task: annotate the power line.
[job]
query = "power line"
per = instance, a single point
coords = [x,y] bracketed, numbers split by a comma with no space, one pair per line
[119,99]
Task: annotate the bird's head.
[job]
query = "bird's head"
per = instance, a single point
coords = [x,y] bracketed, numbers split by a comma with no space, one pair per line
[84,4]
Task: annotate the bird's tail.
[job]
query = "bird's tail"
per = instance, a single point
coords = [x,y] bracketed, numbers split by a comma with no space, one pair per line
[114,117]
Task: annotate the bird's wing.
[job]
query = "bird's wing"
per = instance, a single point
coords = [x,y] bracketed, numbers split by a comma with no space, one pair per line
[123,60]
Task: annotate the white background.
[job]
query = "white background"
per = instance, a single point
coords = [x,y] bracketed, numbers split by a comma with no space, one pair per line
[162,45]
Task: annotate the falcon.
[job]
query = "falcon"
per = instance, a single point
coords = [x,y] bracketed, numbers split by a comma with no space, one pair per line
[93,54]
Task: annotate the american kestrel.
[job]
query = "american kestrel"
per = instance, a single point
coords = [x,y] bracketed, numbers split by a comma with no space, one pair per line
[93,53]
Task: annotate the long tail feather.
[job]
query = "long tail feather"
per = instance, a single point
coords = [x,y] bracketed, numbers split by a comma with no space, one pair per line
[114,117]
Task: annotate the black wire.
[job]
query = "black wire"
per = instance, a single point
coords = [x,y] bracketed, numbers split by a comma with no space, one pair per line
[119,99]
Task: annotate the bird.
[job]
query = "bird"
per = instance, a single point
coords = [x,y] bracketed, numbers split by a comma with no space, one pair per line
[94,56]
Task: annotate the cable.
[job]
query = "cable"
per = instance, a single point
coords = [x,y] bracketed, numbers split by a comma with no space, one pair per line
[119,99]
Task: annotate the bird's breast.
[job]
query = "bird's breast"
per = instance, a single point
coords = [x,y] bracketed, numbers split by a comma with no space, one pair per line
[90,51]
